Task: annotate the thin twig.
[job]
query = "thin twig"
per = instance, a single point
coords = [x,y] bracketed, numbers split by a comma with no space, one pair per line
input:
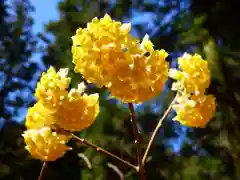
[156,130]
[84,157]
[116,169]
[43,169]
[83,141]
[137,141]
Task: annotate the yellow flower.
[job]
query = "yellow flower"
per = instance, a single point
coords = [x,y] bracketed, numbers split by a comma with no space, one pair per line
[44,144]
[107,55]
[96,48]
[196,111]
[141,80]
[52,88]
[78,111]
[194,74]
[38,116]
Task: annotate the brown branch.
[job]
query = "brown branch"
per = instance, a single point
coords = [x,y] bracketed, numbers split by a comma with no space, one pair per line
[157,129]
[83,141]
[137,141]
[44,167]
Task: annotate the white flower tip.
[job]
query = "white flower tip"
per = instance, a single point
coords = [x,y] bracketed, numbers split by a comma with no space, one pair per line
[63,72]
[131,66]
[81,87]
[126,27]
[146,37]
[172,72]
[187,56]
[95,95]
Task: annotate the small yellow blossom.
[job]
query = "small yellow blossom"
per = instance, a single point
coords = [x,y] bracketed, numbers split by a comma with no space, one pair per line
[78,111]
[38,116]
[106,54]
[194,75]
[44,144]
[146,44]
[196,111]
[52,88]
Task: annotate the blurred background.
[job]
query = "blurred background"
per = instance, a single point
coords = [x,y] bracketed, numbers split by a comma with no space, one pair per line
[36,34]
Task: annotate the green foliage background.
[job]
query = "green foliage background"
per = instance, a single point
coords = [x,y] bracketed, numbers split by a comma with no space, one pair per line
[202,26]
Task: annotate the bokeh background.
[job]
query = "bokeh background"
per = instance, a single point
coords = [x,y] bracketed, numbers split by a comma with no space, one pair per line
[36,34]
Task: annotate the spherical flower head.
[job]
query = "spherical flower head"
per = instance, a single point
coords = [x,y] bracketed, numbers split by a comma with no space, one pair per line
[196,111]
[194,74]
[38,116]
[96,48]
[141,80]
[52,87]
[44,144]
[107,55]
[78,111]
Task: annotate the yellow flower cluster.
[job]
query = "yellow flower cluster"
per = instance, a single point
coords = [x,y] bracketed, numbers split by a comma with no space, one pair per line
[106,54]
[194,76]
[195,111]
[56,107]
[45,144]
[193,107]
[52,88]
[78,111]
[39,116]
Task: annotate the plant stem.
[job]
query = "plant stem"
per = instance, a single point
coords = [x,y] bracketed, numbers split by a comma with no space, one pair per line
[83,141]
[137,141]
[156,130]
[118,171]
[43,169]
